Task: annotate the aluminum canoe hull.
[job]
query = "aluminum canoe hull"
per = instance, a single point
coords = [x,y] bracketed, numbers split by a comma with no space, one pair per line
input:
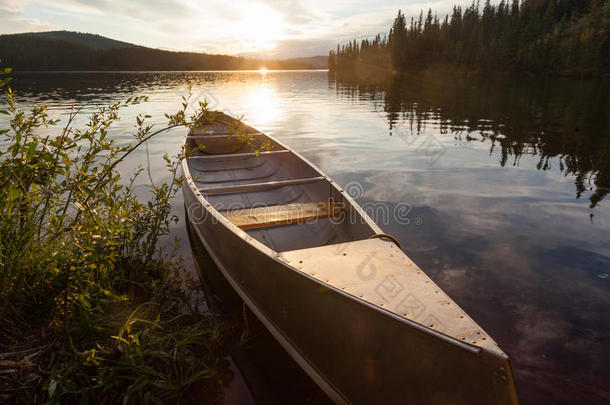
[356,350]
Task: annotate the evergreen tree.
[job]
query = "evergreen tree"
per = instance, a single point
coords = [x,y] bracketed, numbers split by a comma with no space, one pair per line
[331,61]
[398,37]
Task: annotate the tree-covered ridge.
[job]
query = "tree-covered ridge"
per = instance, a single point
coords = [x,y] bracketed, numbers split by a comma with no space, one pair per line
[73,51]
[80,38]
[539,37]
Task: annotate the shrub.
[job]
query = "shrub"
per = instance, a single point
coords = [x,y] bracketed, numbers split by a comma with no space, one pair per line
[78,252]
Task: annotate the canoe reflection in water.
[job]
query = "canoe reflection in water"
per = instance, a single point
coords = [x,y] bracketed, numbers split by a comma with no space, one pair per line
[340,296]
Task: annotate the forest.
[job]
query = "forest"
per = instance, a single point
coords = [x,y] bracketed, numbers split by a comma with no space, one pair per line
[531,37]
[75,51]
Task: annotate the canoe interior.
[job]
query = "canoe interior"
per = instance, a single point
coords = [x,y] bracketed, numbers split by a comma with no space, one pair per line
[235,172]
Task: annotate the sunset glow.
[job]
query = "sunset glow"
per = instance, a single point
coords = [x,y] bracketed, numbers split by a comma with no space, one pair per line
[259,28]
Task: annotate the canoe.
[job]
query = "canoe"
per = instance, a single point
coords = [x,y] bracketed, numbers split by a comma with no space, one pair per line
[342,298]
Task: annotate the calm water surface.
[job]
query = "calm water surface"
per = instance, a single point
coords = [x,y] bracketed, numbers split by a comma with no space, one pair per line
[507,186]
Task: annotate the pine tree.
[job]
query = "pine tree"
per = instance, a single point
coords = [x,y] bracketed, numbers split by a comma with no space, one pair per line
[398,38]
[332,64]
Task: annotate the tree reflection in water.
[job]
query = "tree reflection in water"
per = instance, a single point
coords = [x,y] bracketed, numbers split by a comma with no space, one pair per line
[563,122]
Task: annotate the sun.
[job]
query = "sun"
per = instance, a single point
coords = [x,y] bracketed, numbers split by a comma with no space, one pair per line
[263,70]
[259,28]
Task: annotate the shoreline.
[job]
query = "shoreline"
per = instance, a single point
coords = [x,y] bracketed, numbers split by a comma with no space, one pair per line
[16,72]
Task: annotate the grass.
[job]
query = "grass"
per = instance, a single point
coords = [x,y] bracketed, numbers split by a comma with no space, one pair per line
[88,310]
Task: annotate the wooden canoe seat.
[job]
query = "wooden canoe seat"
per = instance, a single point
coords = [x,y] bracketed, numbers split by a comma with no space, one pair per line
[282,214]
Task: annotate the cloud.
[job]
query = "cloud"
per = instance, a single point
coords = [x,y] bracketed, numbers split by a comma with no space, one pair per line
[14,20]
[10,6]
[151,10]
[292,11]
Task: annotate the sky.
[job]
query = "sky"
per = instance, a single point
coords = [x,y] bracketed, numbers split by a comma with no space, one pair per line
[268,28]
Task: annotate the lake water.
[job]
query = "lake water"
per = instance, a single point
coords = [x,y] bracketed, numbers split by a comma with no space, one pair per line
[505,184]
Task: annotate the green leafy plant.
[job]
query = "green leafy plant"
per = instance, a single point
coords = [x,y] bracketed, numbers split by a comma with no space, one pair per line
[78,252]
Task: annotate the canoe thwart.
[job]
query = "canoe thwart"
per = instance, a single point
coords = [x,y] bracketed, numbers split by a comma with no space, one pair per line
[230,156]
[244,188]
[282,214]
[224,135]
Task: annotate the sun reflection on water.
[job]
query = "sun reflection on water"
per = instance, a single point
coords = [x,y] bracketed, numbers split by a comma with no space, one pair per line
[262,104]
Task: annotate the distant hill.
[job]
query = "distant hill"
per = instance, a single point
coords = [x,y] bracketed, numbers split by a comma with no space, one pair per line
[80,38]
[65,50]
[318,62]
